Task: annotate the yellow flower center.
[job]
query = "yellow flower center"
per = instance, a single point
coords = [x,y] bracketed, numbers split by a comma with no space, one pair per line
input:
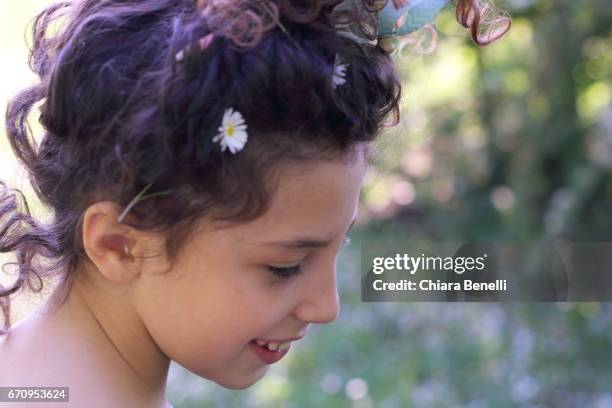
[230,130]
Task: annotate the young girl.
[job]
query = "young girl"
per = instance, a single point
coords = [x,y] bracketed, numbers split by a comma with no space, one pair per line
[202,162]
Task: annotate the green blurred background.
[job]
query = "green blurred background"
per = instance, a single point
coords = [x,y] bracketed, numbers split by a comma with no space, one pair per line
[508,142]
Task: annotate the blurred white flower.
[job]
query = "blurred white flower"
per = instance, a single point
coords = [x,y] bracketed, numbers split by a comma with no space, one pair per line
[339,75]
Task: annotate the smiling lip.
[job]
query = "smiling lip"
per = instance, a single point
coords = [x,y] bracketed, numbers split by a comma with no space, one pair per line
[281,340]
[267,356]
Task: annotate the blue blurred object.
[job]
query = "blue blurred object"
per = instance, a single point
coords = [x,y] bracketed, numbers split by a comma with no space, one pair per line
[389,21]
[417,14]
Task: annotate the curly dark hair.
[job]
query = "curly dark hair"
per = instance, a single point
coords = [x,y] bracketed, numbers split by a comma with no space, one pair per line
[119,113]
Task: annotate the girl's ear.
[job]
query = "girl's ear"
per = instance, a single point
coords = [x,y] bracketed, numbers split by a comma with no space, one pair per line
[112,247]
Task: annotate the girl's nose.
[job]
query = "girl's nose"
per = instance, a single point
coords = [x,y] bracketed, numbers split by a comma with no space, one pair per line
[320,303]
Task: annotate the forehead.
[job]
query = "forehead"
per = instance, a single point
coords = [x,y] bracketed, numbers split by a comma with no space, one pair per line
[318,197]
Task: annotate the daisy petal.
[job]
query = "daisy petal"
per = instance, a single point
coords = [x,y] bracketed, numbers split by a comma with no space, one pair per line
[339,74]
[232,132]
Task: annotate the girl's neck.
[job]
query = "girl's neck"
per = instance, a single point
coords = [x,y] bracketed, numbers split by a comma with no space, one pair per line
[107,321]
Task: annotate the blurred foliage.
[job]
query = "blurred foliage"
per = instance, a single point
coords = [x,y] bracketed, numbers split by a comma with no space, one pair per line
[508,142]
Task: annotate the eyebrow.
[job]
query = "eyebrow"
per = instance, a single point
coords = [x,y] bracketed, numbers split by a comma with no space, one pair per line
[305,242]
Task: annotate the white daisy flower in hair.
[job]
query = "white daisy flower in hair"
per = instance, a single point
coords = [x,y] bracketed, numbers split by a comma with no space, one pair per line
[232,132]
[339,75]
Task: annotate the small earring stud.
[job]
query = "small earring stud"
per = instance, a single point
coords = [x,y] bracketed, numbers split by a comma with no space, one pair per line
[126,250]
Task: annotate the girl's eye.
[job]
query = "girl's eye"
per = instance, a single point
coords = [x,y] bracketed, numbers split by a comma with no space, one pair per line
[284,272]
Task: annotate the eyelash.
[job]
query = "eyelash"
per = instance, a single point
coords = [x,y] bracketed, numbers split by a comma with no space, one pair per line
[284,272]
[295,269]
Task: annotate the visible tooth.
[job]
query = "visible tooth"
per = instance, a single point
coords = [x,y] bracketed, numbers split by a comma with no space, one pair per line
[260,342]
[272,346]
[284,346]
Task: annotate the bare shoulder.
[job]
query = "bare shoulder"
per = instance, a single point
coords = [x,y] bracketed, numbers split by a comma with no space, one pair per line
[32,355]
[11,353]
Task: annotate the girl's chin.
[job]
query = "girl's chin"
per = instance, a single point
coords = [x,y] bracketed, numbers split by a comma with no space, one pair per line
[238,382]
